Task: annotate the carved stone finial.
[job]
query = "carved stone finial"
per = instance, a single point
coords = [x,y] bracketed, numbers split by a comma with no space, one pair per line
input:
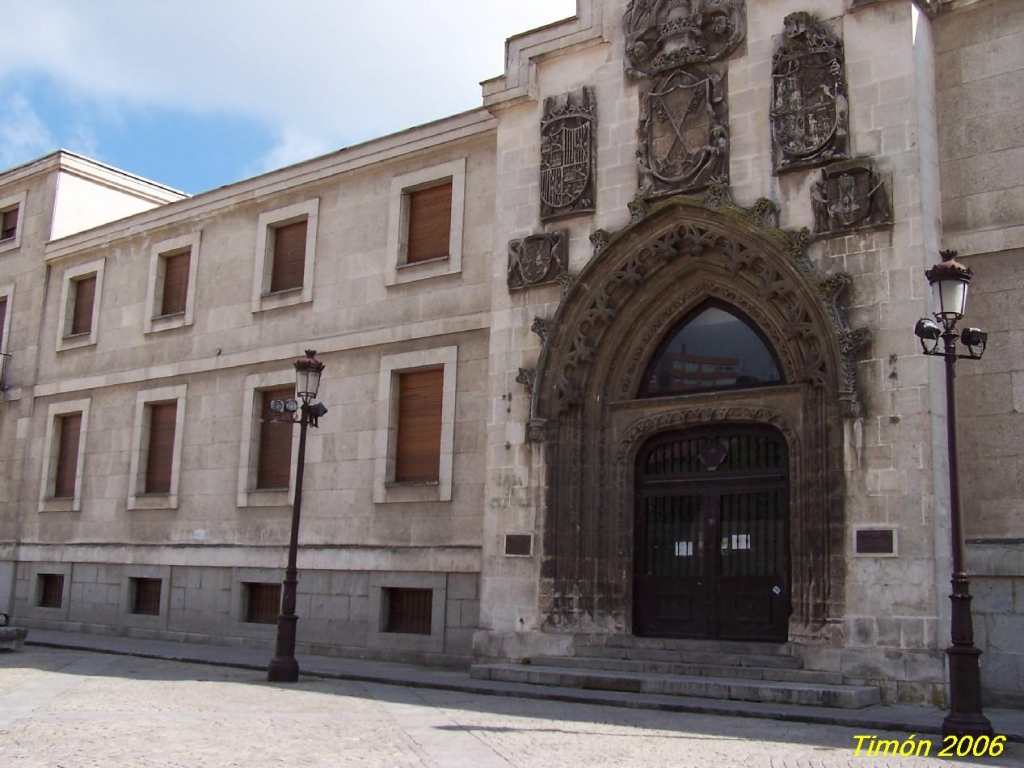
[809,107]
[542,327]
[526,377]
[567,135]
[538,259]
[567,281]
[850,196]
[599,239]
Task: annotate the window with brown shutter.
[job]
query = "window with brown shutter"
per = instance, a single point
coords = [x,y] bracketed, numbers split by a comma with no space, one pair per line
[289,259]
[51,590]
[262,602]
[3,319]
[85,294]
[160,451]
[176,268]
[146,596]
[69,427]
[8,224]
[418,443]
[408,610]
[430,223]
[273,470]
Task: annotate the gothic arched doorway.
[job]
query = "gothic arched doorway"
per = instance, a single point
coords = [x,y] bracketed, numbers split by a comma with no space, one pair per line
[711,535]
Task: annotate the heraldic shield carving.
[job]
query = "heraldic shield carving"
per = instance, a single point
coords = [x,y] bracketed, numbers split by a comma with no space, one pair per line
[851,196]
[683,144]
[538,259]
[809,109]
[664,34]
[567,155]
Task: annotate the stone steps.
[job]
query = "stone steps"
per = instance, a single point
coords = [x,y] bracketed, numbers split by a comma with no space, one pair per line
[719,667]
[707,687]
[706,656]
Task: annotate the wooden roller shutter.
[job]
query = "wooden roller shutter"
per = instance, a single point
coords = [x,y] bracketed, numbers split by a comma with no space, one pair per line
[418,454]
[274,468]
[3,318]
[85,294]
[430,223]
[162,418]
[8,224]
[70,427]
[176,269]
[289,256]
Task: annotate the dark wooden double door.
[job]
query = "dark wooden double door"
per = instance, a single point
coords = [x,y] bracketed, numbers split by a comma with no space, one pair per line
[711,538]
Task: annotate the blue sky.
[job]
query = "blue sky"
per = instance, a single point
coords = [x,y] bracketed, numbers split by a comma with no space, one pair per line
[200,93]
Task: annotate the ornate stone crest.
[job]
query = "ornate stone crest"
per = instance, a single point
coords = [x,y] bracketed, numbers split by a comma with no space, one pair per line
[809,108]
[851,196]
[537,259]
[683,142]
[567,155]
[664,34]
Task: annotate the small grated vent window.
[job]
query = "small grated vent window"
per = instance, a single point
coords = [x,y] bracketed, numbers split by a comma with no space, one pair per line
[408,610]
[51,590]
[146,596]
[262,603]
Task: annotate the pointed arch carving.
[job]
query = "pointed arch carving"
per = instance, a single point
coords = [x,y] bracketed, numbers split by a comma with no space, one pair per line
[640,284]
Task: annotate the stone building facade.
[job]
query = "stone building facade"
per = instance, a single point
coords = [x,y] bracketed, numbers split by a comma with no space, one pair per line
[669,336]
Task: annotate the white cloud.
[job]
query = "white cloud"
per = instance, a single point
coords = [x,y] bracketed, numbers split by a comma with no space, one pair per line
[320,73]
[22,133]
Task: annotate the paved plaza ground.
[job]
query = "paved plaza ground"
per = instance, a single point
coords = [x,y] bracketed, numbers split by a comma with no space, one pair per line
[76,708]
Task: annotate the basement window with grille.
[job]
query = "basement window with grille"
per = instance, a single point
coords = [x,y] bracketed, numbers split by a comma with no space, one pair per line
[146,596]
[262,602]
[51,590]
[407,611]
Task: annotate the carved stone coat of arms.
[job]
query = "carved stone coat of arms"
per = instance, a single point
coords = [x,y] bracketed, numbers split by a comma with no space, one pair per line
[809,107]
[851,195]
[567,155]
[537,259]
[664,34]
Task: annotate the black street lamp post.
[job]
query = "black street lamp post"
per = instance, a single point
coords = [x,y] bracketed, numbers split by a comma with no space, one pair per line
[283,667]
[949,281]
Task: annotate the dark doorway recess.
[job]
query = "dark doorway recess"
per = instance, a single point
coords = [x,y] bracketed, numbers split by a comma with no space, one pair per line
[711,535]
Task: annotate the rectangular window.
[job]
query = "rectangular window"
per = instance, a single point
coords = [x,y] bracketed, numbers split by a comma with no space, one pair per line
[146,596]
[262,603]
[408,610]
[163,419]
[175,283]
[430,223]
[51,590]
[418,443]
[83,296]
[9,224]
[289,257]
[69,428]
[274,462]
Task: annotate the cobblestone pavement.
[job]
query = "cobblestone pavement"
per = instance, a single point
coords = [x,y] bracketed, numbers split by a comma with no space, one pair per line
[74,708]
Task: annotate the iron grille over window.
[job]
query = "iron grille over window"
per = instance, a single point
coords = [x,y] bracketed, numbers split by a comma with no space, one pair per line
[262,603]
[51,590]
[408,610]
[146,596]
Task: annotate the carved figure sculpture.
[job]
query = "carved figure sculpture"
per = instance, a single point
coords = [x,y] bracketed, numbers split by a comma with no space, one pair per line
[567,132]
[809,105]
[537,259]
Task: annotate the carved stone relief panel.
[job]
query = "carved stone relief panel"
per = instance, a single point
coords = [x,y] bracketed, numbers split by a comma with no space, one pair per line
[683,141]
[567,132]
[664,34]
[537,259]
[809,107]
[851,196]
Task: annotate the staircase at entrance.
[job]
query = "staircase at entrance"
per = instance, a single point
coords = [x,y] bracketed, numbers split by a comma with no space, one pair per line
[708,669]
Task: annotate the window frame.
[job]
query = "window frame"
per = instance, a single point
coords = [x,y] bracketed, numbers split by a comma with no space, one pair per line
[71,275]
[9,203]
[262,299]
[153,322]
[385,488]
[248,495]
[137,497]
[377,635]
[397,270]
[6,293]
[51,446]
[150,621]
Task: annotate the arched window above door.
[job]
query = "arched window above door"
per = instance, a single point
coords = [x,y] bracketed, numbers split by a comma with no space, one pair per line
[715,347]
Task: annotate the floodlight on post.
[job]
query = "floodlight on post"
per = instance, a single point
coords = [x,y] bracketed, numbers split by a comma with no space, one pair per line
[949,280]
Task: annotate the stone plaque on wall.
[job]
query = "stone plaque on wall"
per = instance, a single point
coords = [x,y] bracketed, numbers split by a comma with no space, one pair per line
[851,195]
[567,137]
[537,259]
[683,141]
[809,107]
